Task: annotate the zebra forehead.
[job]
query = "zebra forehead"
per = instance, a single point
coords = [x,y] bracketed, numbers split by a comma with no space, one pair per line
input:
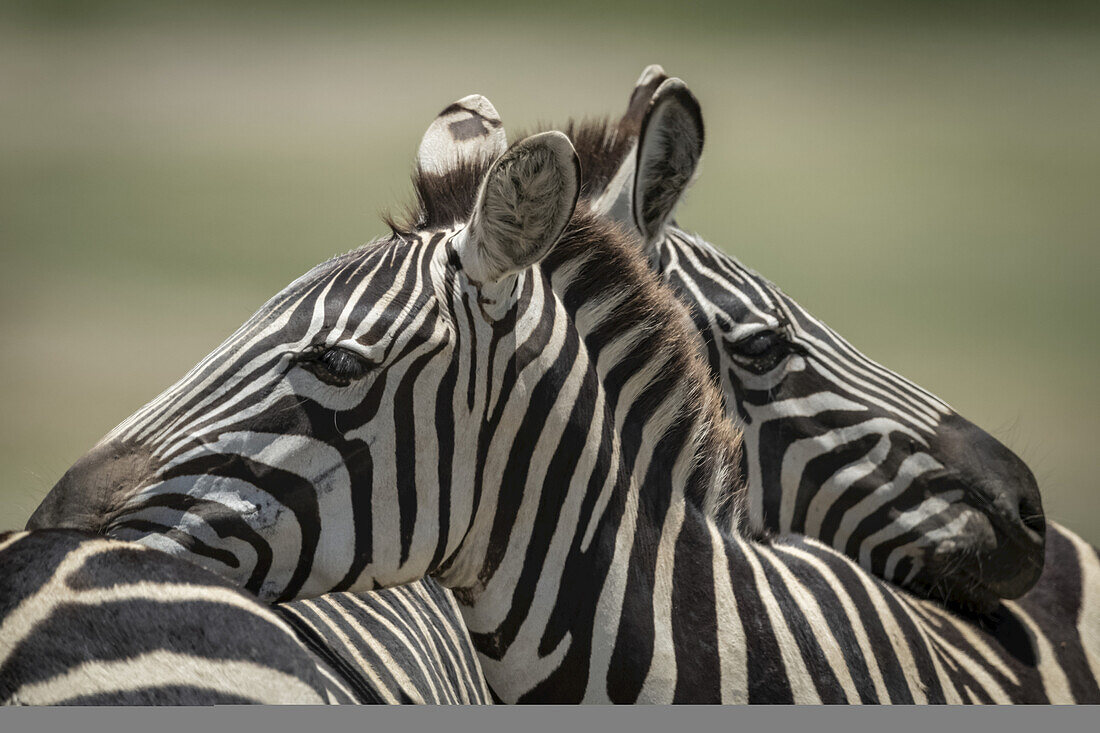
[368,265]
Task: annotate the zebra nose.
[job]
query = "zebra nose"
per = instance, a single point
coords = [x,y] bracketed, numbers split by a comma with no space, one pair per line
[1017,506]
[1016,563]
[1000,485]
[1011,489]
[85,495]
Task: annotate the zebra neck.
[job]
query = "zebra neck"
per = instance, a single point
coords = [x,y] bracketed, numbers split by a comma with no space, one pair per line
[658,444]
[670,417]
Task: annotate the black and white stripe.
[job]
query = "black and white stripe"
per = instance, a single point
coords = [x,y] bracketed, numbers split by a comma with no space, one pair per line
[525,417]
[89,621]
[85,621]
[408,643]
[819,396]
[889,535]
[837,446]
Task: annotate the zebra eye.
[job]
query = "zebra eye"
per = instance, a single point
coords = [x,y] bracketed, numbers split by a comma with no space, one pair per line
[760,351]
[338,366]
[757,344]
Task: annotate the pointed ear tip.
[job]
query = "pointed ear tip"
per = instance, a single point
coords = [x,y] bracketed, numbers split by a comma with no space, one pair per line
[466,129]
[673,86]
[555,137]
[561,141]
[556,142]
[651,72]
[676,89]
[478,103]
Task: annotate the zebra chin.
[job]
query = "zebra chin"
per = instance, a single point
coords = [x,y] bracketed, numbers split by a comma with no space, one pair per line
[972,568]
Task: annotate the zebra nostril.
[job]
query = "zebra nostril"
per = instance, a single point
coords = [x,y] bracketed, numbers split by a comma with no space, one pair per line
[1032,517]
[1030,506]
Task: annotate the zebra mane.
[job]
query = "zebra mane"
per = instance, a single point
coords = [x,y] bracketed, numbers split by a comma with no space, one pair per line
[601,145]
[440,200]
[443,199]
[596,263]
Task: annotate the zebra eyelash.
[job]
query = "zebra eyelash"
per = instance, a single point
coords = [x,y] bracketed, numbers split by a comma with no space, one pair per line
[335,365]
[759,352]
[763,350]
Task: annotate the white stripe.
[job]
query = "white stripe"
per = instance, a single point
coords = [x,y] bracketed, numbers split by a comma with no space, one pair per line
[162,668]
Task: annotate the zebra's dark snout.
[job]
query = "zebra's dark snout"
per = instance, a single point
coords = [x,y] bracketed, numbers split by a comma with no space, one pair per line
[999,484]
[86,495]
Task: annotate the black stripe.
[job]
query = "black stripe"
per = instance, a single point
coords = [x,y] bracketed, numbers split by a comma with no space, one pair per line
[695,617]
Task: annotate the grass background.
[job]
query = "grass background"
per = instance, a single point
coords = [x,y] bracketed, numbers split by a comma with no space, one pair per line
[925,178]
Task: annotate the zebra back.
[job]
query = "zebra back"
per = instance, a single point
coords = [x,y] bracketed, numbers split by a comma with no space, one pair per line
[408,643]
[90,621]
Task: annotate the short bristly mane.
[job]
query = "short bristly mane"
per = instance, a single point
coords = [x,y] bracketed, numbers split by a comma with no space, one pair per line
[596,264]
[601,145]
[441,200]
[599,264]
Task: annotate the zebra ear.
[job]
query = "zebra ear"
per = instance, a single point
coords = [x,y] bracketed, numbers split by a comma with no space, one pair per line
[525,201]
[615,201]
[652,77]
[669,147]
[468,130]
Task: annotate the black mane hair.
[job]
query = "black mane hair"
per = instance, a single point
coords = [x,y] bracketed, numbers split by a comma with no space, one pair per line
[441,200]
[605,262]
[601,146]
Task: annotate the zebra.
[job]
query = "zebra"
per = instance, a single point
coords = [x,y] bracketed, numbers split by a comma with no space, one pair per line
[601,148]
[599,152]
[611,153]
[837,446]
[406,644]
[502,395]
[90,621]
[736,311]
[1073,653]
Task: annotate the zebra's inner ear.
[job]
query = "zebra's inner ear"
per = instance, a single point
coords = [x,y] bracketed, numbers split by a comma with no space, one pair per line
[468,130]
[525,201]
[669,147]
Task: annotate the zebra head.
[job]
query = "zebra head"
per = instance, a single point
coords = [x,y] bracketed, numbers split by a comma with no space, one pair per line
[325,445]
[837,447]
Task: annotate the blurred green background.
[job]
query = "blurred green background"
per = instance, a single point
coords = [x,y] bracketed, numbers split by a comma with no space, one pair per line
[925,177]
